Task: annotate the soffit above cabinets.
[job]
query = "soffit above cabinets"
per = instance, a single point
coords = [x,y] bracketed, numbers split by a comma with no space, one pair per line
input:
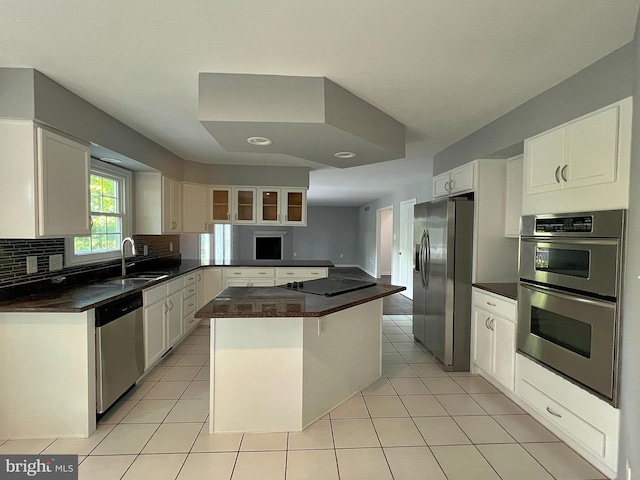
[305,117]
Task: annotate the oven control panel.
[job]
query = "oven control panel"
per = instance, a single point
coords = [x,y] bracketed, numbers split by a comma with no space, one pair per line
[582,224]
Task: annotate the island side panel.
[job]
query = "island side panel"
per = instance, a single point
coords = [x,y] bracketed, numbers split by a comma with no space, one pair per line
[47,375]
[341,361]
[256,370]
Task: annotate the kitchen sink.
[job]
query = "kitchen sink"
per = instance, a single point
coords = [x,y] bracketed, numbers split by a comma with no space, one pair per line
[149,275]
[129,281]
[138,278]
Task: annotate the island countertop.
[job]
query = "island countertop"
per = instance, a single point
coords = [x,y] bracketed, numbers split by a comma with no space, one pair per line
[255,302]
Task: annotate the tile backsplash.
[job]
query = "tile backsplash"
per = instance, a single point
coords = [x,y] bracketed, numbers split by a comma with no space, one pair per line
[14,253]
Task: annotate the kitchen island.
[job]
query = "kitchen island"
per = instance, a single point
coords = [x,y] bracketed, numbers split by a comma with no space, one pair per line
[281,359]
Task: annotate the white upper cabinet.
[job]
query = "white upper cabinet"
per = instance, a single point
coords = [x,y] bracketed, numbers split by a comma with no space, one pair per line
[294,206]
[63,185]
[453,182]
[171,205]
[244,206]
[158,202]
[582,165]
[194,208]
[219,205]
[45,183]
[268,205]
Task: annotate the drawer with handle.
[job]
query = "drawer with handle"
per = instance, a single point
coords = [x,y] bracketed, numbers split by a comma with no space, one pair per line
[579,429]
[295,273]
[495,304]
[248,272]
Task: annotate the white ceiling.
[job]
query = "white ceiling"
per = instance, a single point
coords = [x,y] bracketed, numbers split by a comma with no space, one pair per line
[443,68]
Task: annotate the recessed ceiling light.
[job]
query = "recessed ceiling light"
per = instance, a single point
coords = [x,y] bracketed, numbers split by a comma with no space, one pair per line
[110,160]
[260,141]
[344,155]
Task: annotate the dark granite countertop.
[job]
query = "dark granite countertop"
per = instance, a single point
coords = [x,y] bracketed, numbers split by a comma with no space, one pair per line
[509,290]
[92,293]
[253,302]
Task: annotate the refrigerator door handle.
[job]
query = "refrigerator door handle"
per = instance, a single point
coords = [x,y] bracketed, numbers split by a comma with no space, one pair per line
[427,269]
[421,259]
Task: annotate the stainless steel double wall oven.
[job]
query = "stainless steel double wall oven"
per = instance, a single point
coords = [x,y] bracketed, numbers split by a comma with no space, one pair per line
[569,295]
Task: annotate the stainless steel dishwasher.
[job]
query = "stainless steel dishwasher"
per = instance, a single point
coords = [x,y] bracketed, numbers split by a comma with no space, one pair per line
[119,349]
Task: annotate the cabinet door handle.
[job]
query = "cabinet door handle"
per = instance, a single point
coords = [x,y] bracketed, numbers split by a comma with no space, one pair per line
[563,173]
[228,216]
[237,273]
[262,273]
[486,323]
[451,185]
[491,324]
[553,413]
[170,305]
[556,174]
[165,308]
[492,304]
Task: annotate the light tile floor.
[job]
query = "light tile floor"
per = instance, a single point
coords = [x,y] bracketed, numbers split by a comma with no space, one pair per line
[416,422]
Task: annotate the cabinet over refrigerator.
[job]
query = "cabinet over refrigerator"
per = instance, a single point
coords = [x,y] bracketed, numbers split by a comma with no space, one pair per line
[443,237]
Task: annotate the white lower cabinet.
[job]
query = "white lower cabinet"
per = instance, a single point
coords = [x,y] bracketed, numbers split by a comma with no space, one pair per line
[248,277]
[155,335]
[587,424]
[174,317]
[493,324]
[191,283]
[162,319]
[211,284]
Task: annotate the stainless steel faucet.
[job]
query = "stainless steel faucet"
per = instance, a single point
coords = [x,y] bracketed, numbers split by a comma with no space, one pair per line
[133,250]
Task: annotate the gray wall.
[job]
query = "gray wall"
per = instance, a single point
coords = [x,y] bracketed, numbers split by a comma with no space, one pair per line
[600,84]
[330,232]
[421,191]
[630,378]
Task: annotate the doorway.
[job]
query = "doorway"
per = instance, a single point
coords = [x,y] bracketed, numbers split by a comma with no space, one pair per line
[384,242]
[405,267]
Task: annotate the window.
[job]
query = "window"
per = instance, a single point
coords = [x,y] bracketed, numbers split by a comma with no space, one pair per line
[110,223]
[216,247]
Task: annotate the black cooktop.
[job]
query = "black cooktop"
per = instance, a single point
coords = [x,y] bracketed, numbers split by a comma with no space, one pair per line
[330,286]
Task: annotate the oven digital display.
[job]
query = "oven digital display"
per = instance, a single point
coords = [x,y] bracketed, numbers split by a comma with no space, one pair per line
[582,224]
[563,331]
[563,261]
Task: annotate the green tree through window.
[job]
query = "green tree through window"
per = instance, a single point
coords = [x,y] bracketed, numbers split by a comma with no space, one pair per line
[106,216]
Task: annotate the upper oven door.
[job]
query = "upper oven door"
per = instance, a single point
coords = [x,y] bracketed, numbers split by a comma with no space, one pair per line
[588,265]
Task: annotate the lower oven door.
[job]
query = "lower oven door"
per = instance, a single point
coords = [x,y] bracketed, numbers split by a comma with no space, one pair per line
[573,334]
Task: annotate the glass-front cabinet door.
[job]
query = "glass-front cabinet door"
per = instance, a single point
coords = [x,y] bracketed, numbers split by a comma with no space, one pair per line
[269,205]
[219,205]
[294,207]
[244,205]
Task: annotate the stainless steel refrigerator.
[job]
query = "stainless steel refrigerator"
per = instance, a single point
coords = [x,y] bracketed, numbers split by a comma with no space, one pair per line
[442,269]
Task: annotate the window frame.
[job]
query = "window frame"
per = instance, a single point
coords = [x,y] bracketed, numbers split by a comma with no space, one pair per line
[125,177]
